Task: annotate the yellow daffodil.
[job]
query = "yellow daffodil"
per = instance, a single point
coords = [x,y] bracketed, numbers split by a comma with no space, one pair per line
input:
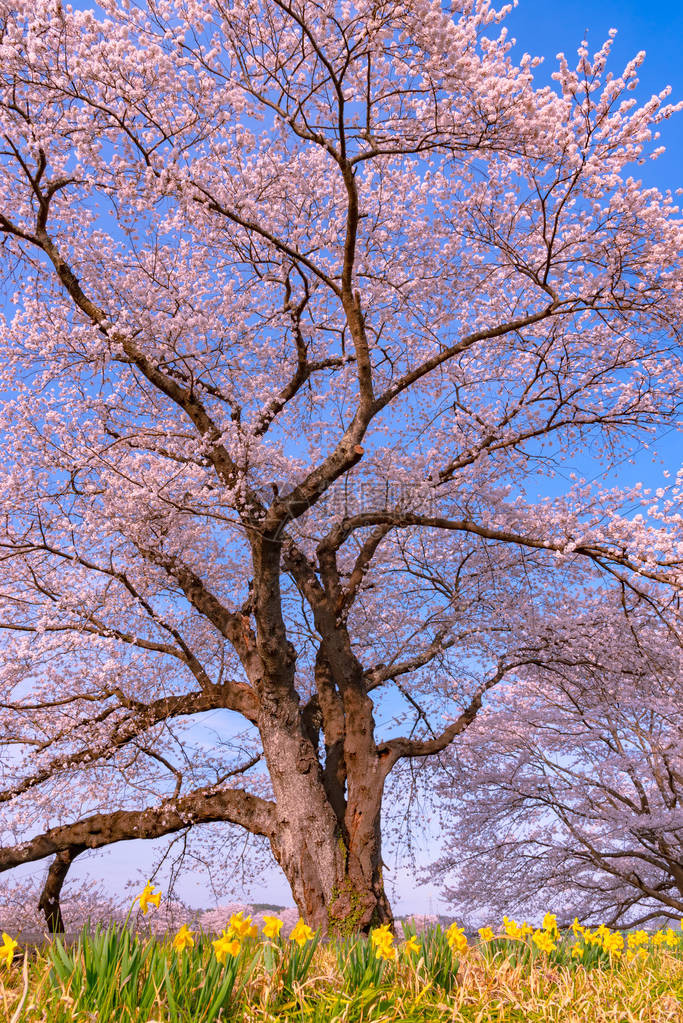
[671,937]
[7,949]
[412,944]
[577,928]
[637,938]
[577,951]
[543,941]
[219,947]
[512,928]
[613,943]
[301,933]
[240,926]
[456,938]
[549,924]
[148,897]
[183,939]
[658,938]
[225,946]
[486,934]
[385,950]
[383,942]
[381,934]
[272,925]
[526,929]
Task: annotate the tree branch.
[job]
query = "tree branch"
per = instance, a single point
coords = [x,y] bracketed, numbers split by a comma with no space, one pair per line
[204,806]
[399,748]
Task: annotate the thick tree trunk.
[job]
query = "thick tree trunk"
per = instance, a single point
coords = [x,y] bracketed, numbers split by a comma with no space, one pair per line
[50,898]
[337,888]
[328,847]
[334,866]
[335,881]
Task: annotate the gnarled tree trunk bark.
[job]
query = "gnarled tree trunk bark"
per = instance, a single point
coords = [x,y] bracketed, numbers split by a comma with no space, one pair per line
[333,865]
[328,806]
[335,888]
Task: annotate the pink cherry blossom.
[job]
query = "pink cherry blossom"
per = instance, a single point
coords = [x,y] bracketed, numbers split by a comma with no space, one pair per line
[312,309]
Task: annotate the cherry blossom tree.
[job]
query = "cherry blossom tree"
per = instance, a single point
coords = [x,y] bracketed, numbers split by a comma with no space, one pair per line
[308,302]
[570,792]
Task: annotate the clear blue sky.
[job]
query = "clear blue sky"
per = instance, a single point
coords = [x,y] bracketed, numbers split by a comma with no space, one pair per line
[544,28]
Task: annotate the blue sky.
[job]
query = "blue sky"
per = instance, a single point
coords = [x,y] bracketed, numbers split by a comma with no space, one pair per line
[545,28]
[540,28]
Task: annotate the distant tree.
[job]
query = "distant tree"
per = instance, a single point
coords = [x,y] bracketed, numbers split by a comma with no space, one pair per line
[568,792]
[307,303]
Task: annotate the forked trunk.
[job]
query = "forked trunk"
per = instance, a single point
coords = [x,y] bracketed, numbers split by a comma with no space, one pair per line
[326,829]
[334,867]
[337,886]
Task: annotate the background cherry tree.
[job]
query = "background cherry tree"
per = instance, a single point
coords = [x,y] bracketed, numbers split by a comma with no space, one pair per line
[569,791]
[308,304]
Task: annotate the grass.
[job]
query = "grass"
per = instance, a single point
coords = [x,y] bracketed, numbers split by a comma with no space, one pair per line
[116,976]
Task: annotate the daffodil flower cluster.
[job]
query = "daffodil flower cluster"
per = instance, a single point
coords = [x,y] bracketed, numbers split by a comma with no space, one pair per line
[230,940]
[667,937]
[383,942]
[241,927]
[602,937]
[543,940]
[515,930]
[612,942]
[225,946]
